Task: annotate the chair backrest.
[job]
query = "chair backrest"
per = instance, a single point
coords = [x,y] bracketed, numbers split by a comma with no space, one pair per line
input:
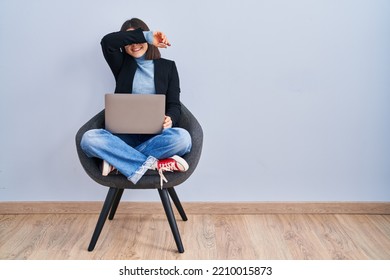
[151,179]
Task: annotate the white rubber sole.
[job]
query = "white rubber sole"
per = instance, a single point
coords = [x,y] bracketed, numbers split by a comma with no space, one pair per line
[182,164]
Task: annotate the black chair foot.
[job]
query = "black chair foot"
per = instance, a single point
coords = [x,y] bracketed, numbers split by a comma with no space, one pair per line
[171,218]
[103,217]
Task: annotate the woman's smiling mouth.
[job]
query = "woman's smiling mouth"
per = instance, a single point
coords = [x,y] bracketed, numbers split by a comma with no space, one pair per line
[136,49]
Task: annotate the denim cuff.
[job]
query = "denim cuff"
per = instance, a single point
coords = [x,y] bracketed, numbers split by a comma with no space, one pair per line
[142,170]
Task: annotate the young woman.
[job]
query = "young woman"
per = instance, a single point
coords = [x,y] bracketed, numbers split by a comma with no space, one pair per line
[136,63]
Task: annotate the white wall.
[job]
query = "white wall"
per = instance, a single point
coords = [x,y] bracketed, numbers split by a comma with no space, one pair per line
[293,96]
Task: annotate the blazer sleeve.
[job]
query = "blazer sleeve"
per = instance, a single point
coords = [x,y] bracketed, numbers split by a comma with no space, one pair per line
[113,44]
[173,95]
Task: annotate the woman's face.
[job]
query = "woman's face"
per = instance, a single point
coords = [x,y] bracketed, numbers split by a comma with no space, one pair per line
[136,50]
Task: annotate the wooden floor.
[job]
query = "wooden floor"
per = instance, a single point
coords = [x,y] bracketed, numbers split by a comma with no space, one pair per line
[145,236]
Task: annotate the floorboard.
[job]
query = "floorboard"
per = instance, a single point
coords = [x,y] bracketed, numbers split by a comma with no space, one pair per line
[205,237]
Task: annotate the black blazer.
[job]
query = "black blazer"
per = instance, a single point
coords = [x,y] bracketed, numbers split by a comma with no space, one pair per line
[124,66]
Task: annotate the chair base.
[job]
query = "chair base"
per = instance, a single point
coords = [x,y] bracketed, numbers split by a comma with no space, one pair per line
[111,203]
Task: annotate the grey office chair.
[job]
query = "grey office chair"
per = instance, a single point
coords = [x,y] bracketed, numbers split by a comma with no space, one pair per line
[151,180]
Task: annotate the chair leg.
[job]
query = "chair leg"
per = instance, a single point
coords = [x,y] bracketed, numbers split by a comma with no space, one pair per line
[102,218]
[118,196]
[177,203]
[171,218]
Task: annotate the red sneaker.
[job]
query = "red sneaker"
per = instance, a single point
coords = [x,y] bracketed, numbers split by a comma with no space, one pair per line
[171,164]
[174,163]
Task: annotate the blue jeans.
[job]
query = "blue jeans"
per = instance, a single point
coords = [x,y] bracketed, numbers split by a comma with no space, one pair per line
[134,154]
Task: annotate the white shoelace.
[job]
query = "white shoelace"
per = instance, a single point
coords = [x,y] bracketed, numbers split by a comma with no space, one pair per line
[162,177]
[170,166]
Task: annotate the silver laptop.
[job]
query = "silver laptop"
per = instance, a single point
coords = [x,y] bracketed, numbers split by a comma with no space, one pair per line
[134,113]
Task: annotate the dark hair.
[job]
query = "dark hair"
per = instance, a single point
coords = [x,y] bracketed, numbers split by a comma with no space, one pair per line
[135,23]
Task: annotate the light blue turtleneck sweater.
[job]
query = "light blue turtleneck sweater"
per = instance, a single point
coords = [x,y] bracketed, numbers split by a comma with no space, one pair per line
[144,76]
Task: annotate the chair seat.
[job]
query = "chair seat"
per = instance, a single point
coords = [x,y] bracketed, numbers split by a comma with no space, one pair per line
[148,180]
